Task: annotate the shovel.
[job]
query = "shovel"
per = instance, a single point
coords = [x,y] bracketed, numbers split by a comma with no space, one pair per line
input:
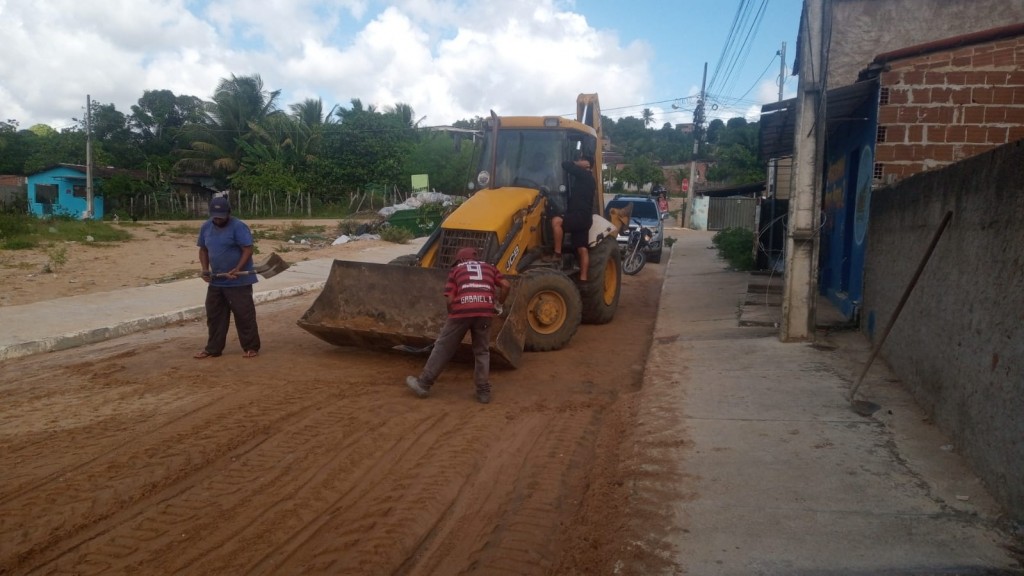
[273,266]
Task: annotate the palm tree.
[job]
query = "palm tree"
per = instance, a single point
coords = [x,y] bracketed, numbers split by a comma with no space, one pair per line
[240,105]
[311,112]
[648,117]
[404,114]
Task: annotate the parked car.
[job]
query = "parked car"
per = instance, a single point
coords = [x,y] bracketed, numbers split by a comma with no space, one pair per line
[645,211]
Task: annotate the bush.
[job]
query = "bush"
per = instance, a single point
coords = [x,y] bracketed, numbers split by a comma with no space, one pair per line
[736,246]
[395,234]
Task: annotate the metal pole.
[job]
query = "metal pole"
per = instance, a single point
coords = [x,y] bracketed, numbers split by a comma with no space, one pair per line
[88,159]
[773,189]
[698,119]
[903,300]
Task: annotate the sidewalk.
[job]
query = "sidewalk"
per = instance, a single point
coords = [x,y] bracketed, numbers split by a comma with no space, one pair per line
[773,472]
[78,320]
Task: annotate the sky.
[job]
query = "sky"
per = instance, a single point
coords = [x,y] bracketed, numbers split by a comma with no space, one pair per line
[447,59]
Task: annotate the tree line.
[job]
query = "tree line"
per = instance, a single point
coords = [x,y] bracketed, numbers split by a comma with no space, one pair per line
[303,154]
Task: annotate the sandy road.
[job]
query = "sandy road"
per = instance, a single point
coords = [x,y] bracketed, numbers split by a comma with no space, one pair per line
[130,457]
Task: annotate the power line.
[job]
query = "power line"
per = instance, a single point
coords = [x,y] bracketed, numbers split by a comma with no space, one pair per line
[728,42]
[763,72]
[741,54]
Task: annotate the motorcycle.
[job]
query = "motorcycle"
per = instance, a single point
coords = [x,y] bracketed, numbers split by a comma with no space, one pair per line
[633,257]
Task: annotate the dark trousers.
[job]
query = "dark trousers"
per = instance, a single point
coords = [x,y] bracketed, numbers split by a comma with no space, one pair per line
[221,303]
[448,342]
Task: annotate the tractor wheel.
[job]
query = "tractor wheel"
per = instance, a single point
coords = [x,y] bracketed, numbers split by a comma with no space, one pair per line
[553,309]
[601,292]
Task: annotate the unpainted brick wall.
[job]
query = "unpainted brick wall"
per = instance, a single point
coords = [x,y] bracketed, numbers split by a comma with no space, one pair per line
[942,107]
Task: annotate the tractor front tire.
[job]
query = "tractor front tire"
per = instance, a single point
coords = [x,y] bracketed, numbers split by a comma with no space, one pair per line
[553,309]
[601,292]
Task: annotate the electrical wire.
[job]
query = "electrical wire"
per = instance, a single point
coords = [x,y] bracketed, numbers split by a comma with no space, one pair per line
[740,10]
[740,56]
[763,72]
[736,50]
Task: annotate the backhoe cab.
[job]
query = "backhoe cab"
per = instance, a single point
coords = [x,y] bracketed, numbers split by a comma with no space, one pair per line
[518,185]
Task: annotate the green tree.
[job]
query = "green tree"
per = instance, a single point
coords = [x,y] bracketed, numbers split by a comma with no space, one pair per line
[158,118]
[735,153]
[714,130]
[311,112]
[736,164]
[641,171]
[436,154]
[112,137]
[16,147]
[64,147]
[239,105]
[368,147]
[475,123]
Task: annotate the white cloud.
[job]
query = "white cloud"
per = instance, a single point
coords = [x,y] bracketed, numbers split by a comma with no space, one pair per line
[448,59]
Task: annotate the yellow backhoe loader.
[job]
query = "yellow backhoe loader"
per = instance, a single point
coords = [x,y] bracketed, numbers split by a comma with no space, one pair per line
[518,185]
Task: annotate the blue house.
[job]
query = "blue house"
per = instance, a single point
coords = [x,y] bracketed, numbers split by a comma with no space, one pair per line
[61,190]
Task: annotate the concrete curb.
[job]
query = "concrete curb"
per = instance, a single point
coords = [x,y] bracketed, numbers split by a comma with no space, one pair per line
[94,335]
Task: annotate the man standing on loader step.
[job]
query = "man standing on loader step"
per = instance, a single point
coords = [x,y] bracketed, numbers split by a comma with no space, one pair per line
[474,291]
[578,213]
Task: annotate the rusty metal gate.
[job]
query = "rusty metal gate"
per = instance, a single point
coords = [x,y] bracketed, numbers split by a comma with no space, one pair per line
[734,212]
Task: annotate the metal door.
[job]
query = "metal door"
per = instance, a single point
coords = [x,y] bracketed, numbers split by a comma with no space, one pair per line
[734,212]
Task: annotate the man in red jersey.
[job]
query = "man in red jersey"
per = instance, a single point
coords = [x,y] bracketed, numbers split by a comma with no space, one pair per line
[474,291]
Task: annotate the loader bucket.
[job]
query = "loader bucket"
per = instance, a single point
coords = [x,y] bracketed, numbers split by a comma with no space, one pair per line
[384,306]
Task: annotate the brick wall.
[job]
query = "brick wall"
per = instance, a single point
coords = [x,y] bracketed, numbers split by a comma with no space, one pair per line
[944,106]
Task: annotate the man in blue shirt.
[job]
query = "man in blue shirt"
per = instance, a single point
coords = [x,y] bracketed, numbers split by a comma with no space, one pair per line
[225,254]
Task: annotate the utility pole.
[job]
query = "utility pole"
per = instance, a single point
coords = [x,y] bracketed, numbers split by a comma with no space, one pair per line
[773,176]
[800,283]
[88,159]
[782,69]
[698,120]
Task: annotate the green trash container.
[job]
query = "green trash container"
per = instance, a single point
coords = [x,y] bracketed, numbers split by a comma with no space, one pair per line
[419,221]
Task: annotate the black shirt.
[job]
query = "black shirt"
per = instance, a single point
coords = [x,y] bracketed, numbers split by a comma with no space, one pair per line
[581,191]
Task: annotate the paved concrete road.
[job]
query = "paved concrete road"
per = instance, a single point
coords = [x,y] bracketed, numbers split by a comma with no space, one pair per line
[776,474]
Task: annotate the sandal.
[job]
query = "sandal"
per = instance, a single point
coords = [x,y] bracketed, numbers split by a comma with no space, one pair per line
[251,354]
[204,354]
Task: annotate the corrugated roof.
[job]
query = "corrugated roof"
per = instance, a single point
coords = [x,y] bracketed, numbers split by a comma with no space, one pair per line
[778,119]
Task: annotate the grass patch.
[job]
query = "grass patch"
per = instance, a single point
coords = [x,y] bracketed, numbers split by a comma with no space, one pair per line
[23,231]
[736,246]
[182,230]
[19,244]
[294,230]
[179,275]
